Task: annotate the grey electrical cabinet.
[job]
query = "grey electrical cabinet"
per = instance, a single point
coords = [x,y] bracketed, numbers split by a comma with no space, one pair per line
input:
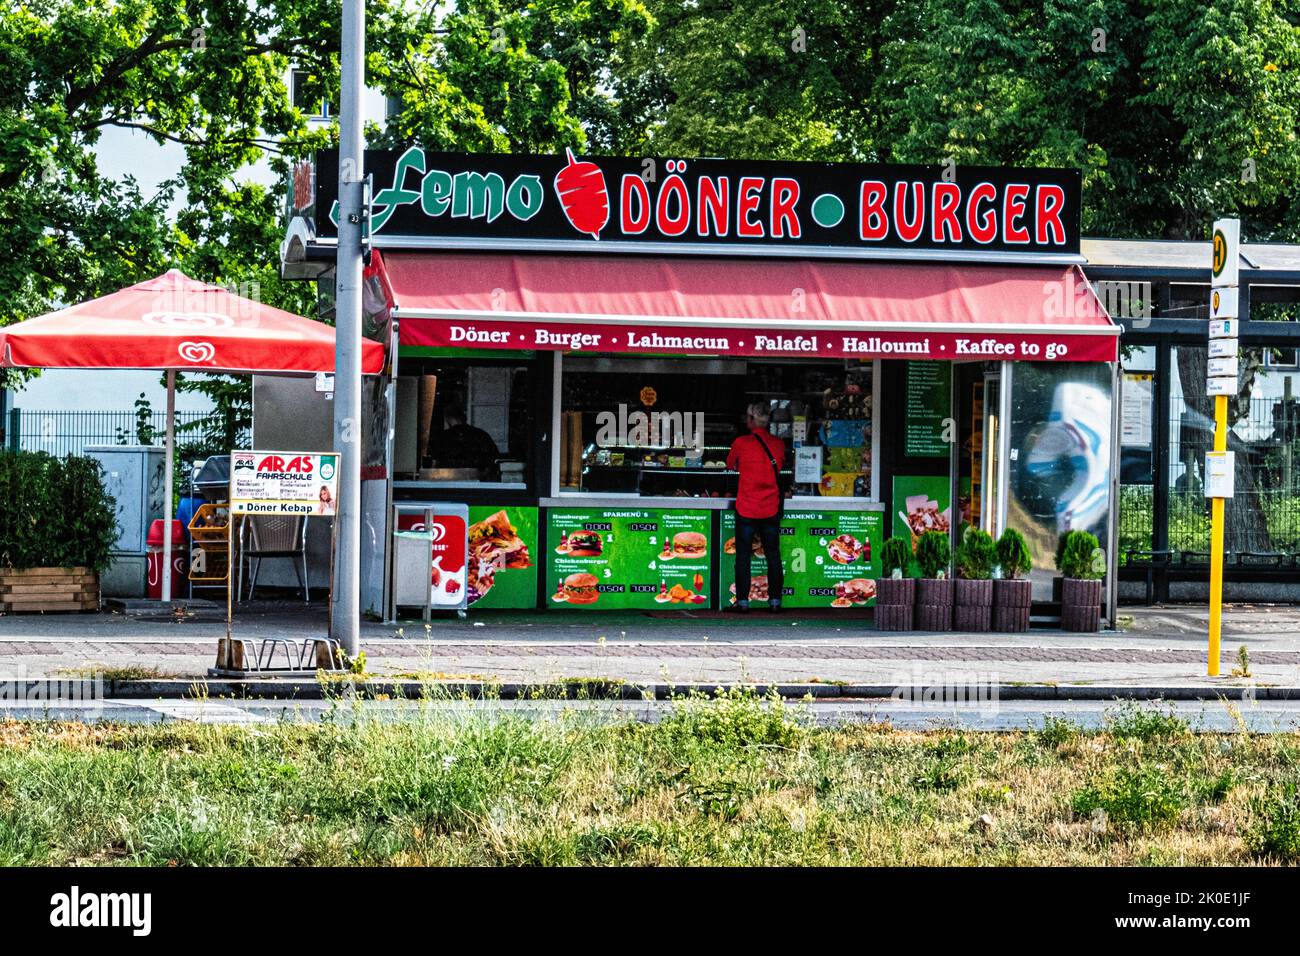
[135,475]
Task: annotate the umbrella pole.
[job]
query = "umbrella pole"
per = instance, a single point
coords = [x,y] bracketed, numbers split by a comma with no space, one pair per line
[167,502]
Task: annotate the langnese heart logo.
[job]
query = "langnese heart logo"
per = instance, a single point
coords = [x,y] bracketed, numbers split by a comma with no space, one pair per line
[197,353]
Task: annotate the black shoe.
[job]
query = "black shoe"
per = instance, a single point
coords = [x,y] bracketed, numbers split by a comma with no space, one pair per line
[736,609]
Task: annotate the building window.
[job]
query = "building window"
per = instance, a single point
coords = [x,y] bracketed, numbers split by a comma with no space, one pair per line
[463,424]
[657,427]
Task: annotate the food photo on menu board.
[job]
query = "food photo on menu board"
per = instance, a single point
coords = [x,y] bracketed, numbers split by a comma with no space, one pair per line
[831,559]
[600,558]
[502,568]
[921,503]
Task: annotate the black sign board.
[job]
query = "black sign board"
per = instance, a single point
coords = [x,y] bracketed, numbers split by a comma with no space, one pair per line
[600,203]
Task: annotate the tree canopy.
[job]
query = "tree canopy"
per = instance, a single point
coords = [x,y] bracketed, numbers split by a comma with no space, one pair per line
[1175,111]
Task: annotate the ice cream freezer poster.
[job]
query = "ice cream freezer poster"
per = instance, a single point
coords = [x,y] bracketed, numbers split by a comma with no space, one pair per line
[283,482]
[627,558]
[831,559]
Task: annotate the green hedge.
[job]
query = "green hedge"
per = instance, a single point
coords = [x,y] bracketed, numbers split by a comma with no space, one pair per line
[55,512]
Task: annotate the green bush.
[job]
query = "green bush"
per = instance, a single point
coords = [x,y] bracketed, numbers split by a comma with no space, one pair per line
[1013,554]
[56,513]
[976,555]
[933,553]
[1081,557]
[1132,721]
[1145,798]
[1275,827]
[895,554]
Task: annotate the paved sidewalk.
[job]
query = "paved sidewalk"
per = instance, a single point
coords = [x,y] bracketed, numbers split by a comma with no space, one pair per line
[1156,647]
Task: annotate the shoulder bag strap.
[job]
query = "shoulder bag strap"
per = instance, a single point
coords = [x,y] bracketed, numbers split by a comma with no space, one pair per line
[776,474]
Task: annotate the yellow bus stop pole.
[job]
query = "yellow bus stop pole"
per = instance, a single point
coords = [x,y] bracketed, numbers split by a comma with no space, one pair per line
[1216,540]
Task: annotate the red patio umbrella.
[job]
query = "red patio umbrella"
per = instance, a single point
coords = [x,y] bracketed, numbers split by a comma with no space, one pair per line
[175,323]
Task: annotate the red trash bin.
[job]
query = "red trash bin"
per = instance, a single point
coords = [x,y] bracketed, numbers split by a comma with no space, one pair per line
[154,547]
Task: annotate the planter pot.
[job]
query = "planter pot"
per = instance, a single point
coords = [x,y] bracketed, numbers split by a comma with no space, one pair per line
[1082,593]
[896,592]
[973,619]
[1084,618]
[934,604]
[1080,605]
[1011,601]
[38,590]
[968,593]
[972,605]
[893,617]
[894,600]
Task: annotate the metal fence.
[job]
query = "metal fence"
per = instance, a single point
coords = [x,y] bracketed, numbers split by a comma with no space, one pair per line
[1263,518]
[69,432]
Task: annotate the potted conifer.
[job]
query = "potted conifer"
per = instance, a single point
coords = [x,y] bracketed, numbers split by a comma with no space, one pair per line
[973,588]
[934,587]
[1012,592]
[1082,565]
[895,593]
[57,530]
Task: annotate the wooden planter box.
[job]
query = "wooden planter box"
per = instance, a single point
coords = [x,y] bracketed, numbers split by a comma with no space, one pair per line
[37,590]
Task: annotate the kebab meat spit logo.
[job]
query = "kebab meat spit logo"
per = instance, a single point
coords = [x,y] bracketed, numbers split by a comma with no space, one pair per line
[583,196]
[702,202]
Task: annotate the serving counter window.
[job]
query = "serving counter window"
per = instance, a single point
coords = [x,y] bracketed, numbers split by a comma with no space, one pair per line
[662,427]
[463,424]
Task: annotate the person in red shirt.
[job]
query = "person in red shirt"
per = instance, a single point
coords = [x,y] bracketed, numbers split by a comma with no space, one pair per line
[758,458]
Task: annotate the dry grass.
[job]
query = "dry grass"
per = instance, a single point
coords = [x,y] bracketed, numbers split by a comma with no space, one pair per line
[733,782]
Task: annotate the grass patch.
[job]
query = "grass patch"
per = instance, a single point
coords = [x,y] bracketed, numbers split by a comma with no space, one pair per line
[735,780]
[126,672]
[1145,722]
[1276,827]
[1145,798]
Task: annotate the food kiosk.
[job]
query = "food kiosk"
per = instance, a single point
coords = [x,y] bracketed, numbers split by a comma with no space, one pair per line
[578,339]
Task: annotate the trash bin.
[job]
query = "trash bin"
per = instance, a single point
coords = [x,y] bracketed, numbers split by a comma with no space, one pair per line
[154,546]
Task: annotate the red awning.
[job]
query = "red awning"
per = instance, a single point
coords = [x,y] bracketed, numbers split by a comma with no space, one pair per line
[774,307]
[175,322]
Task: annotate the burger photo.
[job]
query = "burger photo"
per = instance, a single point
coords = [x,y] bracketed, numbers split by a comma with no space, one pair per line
[689,544]
[584,544]
[580,588]
[856,590]
[756,548]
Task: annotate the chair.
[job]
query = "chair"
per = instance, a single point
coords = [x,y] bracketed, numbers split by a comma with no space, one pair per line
[273,536]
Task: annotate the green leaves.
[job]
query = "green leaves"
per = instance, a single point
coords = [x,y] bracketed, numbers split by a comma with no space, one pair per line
[57,513]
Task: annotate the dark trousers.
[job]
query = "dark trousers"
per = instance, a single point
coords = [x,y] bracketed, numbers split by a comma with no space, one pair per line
[769,532]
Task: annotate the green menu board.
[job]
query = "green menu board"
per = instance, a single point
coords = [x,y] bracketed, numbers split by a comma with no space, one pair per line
[502,557]
[627,558]
[831,559]
[921,503]
[927,395]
